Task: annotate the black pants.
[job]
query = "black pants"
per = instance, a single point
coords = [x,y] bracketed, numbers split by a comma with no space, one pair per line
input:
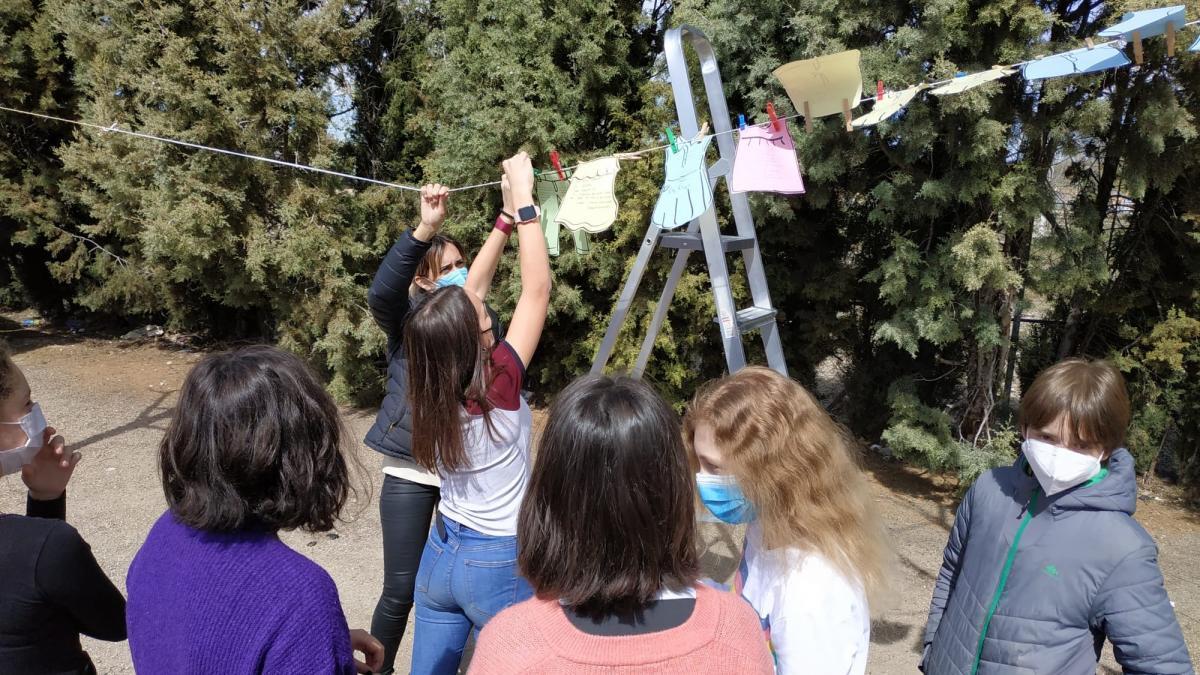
[405,509]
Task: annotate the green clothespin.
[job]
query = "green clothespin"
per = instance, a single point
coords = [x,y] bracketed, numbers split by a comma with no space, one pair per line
[671,138]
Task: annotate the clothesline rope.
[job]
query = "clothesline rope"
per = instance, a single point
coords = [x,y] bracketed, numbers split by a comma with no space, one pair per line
[114,128]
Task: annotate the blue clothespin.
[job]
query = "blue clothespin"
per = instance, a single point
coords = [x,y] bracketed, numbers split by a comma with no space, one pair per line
[741,121]
[961,73]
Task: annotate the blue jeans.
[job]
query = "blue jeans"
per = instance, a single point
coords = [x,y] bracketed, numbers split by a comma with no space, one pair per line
[465,579]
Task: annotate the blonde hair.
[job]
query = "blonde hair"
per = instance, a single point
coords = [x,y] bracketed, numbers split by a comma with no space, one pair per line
[1090,393]
[800,471]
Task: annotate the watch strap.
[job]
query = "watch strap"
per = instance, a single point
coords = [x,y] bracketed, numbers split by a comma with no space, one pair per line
[503,225]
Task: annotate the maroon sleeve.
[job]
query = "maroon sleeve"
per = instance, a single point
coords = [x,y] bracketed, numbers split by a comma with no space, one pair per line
[508,375]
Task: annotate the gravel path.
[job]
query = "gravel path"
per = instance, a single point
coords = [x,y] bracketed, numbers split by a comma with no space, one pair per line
[112,403]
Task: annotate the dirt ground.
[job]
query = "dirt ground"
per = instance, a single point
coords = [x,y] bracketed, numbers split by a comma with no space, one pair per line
[112,400]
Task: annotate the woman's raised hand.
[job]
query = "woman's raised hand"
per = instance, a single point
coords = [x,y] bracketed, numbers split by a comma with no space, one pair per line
[519,171]
[507,205]
[433,205]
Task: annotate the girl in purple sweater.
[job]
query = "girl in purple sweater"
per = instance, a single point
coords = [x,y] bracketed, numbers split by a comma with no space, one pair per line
[254,447]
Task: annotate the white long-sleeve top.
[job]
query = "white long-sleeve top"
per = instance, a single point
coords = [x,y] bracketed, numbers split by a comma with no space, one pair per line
[815,620]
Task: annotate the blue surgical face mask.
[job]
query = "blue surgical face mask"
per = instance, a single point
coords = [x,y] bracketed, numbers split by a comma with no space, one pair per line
[456,278]
[724,498]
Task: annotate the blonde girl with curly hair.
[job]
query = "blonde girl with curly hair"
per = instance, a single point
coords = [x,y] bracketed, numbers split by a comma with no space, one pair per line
[815,561]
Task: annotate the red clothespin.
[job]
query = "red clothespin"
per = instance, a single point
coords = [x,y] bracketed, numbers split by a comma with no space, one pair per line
[771,114]
[557,165]
[878,90]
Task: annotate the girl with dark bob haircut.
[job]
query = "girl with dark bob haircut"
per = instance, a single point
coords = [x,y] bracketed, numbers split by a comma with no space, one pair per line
[254,447]
[255,441]
[607,540]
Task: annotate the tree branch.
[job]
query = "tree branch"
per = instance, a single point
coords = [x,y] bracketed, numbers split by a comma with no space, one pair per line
[94,246]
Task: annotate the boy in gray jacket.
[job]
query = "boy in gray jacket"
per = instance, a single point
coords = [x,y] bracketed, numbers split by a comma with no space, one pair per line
[1045,560]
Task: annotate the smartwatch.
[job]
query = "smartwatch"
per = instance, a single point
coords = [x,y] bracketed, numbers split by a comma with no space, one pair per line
[527,214]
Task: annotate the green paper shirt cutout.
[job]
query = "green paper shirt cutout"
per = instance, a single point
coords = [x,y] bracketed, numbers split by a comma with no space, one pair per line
[550,193]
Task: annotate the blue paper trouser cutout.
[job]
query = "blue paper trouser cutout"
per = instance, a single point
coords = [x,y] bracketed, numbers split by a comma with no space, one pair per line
[1147,23]
[1075,62]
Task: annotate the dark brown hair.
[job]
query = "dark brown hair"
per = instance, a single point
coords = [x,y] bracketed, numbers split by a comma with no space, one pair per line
[1090,393]
[7,368]
[430,266]
[447,367]
[255,441]
[609,518]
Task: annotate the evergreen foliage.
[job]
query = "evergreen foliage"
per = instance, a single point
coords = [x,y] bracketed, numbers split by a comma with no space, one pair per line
[1071,202]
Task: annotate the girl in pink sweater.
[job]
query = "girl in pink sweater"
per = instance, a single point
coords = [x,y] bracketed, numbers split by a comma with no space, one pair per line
[606,539]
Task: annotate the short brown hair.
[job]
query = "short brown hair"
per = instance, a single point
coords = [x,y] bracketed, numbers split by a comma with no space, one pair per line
[255,441]
[7,368]
[609,519]
[1090,393]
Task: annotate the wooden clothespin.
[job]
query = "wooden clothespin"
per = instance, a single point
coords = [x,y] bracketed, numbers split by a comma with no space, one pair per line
[1137,47]
[1170,38]
[557,165]
[807,118]
[771,114]
[1089,43]
[700,134]
[846,114]
[671,140]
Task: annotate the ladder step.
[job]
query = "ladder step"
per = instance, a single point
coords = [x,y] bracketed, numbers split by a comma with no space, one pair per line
[753,318]
[693,242]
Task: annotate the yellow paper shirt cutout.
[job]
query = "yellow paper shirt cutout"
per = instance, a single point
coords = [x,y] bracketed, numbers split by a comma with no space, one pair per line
[590,204]
[823,82]
[892,103]
[961,84]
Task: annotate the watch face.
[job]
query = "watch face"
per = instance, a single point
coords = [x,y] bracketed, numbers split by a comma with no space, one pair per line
[527,213]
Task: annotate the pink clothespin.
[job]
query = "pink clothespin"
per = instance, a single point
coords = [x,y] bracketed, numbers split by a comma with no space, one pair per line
[878,90]
[557,165]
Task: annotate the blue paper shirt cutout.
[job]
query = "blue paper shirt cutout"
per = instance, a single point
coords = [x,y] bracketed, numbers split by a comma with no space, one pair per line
[1075,62]
[686,193]
[1147,22]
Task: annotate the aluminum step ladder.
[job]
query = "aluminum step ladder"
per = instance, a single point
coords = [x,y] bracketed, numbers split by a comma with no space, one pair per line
[703,233]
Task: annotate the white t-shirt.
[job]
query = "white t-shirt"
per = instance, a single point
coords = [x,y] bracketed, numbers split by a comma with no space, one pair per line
[486,494]
[815,620]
